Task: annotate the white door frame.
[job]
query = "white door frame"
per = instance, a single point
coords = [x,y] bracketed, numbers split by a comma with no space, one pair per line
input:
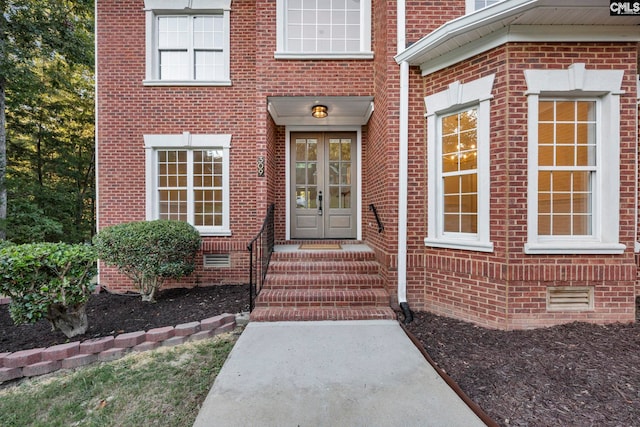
[358,131]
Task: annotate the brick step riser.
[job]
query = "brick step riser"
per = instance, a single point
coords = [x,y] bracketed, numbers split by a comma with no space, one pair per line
[329,298]
[318,257]
[273,314]
[323,268]
[339,282]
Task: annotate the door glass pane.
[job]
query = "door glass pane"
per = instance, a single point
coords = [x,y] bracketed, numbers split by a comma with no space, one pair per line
[334,199]
[346,149]
[334,173]
[345,173]
[306,174]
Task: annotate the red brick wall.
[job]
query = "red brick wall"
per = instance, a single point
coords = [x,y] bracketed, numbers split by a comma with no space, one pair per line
[127,110]
[507,288]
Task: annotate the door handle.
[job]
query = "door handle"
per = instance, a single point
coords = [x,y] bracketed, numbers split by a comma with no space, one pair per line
[320,203]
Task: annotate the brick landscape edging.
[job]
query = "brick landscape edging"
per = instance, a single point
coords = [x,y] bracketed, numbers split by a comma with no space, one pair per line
[40,361]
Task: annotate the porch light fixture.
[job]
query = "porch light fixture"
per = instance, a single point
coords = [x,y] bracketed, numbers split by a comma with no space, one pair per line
[319,111]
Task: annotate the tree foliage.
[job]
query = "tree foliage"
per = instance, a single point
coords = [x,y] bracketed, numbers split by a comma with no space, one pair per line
[46,82]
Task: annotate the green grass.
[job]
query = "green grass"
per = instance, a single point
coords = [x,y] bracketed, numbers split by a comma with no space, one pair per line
[163,387]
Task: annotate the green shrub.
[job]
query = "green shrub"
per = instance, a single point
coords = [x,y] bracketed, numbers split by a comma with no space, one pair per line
[50,280]
[149,252]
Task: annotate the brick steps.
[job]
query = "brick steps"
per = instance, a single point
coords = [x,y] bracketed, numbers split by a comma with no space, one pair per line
[323,285]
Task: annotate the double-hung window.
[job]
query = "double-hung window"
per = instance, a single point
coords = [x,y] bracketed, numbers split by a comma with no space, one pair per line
[187,46]
[324,29]
[574,161]
[458,156]
[188,180]
[567,166]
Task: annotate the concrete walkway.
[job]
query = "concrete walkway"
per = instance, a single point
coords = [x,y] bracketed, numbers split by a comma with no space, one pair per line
[346,373]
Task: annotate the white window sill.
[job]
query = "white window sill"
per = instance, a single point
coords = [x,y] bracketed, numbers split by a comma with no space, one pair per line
[574,248]
[327,55]
[214,233]
[186,83]
[459,244]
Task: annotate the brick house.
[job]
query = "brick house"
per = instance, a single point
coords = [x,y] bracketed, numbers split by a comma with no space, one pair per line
[484,153]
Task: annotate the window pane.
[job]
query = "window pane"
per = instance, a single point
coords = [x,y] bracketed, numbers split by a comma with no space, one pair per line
[208,32]
[451,223]
[566,132]
[172,204]
[173,32]
[323,26]
[174,65]
[459,167]
[209,65]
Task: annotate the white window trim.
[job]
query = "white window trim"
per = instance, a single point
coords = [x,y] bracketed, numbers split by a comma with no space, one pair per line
[470,6]
[153,8]
[187,141]
[476,94]
[605,87]
[365,37]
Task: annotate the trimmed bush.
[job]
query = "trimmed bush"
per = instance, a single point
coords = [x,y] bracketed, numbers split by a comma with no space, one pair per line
[149,252]
[48,280]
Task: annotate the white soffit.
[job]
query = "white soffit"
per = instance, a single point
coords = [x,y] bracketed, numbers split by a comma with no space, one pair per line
[342,110]
[519,21]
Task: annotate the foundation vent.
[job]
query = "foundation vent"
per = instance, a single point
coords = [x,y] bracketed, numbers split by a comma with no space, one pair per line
[217,260]
[570,298]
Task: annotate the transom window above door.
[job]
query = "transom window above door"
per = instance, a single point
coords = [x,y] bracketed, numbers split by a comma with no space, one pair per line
[324,29]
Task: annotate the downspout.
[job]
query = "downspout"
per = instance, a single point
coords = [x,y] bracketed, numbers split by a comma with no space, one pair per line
[403,173]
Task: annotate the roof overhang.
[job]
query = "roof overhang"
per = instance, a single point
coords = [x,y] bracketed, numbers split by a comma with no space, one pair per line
[343,110]
[519,21]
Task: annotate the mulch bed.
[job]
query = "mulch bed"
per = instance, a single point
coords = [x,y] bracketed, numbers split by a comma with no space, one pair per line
[111,314]
[570,375]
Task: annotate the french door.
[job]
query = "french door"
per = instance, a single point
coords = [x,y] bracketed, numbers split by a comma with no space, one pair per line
[323,185]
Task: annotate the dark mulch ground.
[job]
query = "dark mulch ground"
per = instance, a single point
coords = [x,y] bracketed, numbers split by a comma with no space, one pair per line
[110,314]
[570,375]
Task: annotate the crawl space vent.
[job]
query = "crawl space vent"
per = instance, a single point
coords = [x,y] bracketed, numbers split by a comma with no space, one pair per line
[217,260]
[570,298]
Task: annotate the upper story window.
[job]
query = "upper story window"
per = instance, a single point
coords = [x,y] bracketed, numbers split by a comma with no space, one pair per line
[330,29]
[574,161]
[473,5]
[458,127]
[188,180]
[187,42]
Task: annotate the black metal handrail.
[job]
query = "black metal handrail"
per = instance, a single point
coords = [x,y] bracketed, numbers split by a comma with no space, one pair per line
[372,208]
[260,249]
